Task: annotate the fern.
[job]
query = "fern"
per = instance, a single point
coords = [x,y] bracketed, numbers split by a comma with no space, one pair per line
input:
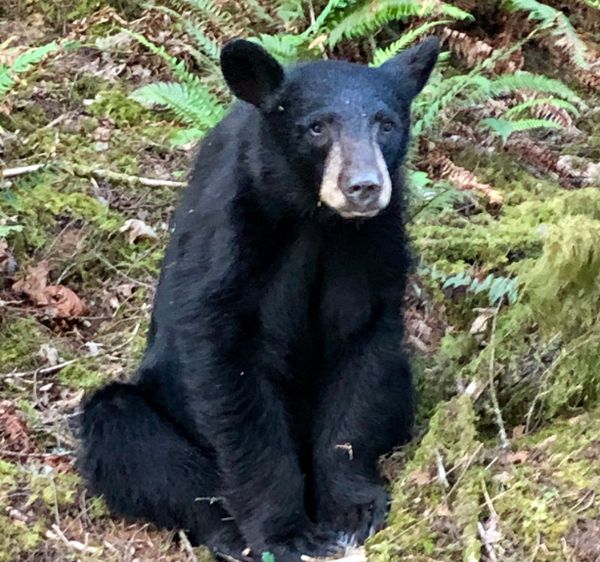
[177,67]
[6,79]
[555,102]
[23,63]
[497,287]
[505,128]
[591,3]
[523,80]
[370,17]
[290,12]
[32,57]
[382,55]
[195,105]
[554,19]
[285,48]
[207,9]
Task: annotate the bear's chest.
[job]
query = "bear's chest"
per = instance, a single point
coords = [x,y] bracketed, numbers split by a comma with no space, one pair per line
[317,297]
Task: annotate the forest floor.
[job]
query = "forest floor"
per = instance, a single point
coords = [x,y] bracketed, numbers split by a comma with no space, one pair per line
[76,286]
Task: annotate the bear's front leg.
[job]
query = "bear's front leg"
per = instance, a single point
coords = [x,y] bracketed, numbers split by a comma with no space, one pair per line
[235,407]
[365,410]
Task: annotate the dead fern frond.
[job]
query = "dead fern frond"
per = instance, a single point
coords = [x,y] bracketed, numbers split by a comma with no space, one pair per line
[542,158]
[475,51]
[441,167]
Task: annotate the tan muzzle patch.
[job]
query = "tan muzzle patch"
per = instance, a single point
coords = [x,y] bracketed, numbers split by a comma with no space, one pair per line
[331,192]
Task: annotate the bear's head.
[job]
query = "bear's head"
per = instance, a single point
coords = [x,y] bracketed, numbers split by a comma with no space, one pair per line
[341,127]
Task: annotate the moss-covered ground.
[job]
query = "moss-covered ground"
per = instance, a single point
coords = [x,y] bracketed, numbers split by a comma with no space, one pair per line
[506,464]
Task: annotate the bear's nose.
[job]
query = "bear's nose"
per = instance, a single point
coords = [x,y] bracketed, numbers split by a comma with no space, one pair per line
[362,192]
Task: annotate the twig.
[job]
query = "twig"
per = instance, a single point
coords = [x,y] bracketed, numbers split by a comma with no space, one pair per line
[504,442]
[56,533]
[356,556]
[102,173]
[42,371]
[21,170]
[185,542]
[442,475]
[488,546]
[19,454]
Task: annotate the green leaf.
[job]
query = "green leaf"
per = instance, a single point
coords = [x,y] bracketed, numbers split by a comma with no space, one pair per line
[5,230]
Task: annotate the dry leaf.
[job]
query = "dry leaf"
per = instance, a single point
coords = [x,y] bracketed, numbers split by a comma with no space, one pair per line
[34,284]
[480,323]
[49,354]
[421,477]
[138,229]
[518,431]
[13,430]
[65,302]
[59,300]
[517,457]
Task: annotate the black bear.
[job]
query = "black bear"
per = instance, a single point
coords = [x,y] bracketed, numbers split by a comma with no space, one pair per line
[274,375]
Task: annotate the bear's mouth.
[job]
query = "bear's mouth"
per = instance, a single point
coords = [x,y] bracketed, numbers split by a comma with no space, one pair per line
[357,213]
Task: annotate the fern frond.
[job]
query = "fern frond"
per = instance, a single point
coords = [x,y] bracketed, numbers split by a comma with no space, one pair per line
[382,55]
[560,25]
[195,106]
[186,136]
[208,45]
[591,3]
[505,128]
[177,66]
[370,17]
[285,48]
[208,9]
[330,8]
[31,57]
[6,80]
[523,80]
[537,102]
[290,12]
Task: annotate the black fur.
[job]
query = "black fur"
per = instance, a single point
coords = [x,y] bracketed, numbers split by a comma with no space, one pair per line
[274,376]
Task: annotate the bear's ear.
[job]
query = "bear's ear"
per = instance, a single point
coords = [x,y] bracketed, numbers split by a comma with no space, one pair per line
[413,66]
[251,73]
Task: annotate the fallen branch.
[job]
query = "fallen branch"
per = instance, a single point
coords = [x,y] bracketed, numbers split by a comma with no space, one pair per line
[42,371]
[21,170]
[102,173]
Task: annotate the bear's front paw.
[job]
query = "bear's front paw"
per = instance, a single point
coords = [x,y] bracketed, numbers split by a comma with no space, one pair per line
[358,515]
[317,542]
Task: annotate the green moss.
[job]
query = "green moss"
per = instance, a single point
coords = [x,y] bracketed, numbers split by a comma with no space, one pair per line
[81,375]
[56,491]
[45,492]
[123,110]
[429,517]
[20,341]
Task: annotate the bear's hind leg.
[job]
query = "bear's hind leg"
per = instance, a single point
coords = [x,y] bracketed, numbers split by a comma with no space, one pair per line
[146,470]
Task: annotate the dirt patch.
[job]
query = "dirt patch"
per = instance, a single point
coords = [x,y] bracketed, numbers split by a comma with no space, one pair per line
[584,537]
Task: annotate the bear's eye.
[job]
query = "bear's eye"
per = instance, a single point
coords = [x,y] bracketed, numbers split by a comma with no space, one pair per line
[387,126]
[316,129]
